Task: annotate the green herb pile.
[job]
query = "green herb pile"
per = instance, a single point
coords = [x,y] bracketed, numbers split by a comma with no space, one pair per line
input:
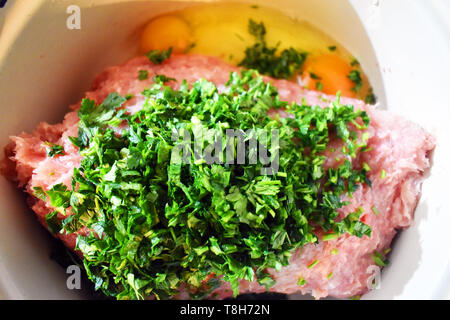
[266,60]
[158,225]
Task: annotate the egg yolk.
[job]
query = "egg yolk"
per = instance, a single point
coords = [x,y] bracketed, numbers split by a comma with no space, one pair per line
[164,32]
[328,73]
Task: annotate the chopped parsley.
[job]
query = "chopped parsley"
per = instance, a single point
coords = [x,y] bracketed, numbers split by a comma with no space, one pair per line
[366,166]
[159,56]
[379,259]
[375,210]
[59,197]
[162,79]
[52,221]
[266,60]
[190,47]
[354,62]
[39,193]
[312,264]
[156,225]
[355,77]
[301,281]
[329,236]
[370,97]
[332,48]
[53,149]
[143,74]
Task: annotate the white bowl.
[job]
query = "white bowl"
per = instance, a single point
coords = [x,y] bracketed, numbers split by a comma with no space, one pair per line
[402,45]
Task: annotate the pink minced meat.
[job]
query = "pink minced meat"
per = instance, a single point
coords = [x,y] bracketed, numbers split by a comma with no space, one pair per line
[399,147]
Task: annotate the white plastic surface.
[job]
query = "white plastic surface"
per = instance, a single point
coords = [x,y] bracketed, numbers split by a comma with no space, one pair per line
[403,46]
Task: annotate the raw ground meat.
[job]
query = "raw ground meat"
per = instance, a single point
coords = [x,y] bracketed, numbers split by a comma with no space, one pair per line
[399,147]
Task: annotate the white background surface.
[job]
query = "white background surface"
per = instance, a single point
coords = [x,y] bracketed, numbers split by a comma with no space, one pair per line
[407,60]
[412,44]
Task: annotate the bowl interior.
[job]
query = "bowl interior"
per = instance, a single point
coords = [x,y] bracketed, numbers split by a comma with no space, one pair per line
[45,67]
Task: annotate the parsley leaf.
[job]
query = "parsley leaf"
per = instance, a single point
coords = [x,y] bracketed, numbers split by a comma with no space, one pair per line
[266,59]
[53,149]
[53,224]
[162,79]
[379,259]
[355,77]
[354,62]
[159,56]
[143,74]
[370,97]
[39,193]
[332,48]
